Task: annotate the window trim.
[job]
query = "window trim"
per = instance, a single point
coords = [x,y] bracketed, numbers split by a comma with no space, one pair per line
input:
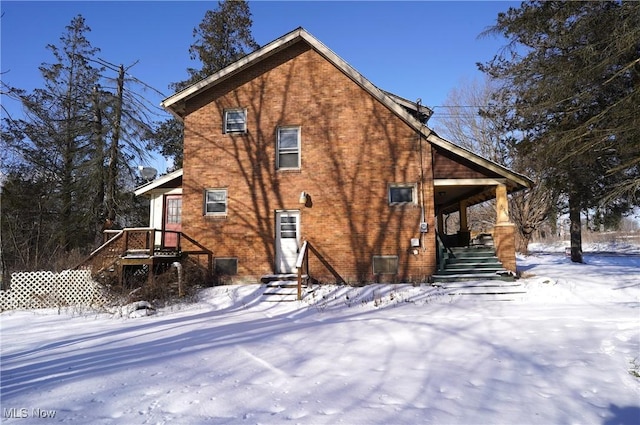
[414,193]
[206,202]
[385,257]
[218,270]
[289,150]
[225,115]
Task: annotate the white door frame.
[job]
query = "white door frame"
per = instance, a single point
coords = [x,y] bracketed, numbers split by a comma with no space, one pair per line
[286,248]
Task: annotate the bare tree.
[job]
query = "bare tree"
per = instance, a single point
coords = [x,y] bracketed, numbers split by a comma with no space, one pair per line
[470,119]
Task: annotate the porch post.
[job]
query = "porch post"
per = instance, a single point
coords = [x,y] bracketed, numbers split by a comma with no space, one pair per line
[464,236]
[502,204]
[504,235]
[440,223]
[464,225]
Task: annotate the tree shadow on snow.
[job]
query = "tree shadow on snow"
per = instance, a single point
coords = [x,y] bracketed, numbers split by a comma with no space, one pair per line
[629,415]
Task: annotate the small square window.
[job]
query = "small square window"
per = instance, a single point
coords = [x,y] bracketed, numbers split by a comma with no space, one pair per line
[288,148]
[235,120]
[402,194]
[385,264]
[215,202]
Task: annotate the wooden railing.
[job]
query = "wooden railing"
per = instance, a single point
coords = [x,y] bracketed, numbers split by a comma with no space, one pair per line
[302,264]
[442,252]
[141,242]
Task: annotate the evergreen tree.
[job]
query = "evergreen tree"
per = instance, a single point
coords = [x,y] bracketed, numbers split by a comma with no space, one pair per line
[68,160]
[54,138]
[223,37]
[571,77]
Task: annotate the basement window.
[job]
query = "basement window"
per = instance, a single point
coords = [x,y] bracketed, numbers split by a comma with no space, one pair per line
[385,264]
[235,121]
[402,193]
[225,266]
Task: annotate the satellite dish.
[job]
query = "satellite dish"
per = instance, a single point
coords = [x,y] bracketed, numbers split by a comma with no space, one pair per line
[147,173]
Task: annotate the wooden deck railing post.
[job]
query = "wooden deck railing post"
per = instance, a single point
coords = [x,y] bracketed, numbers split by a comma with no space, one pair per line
[152,241]
[299,284]
[300,262]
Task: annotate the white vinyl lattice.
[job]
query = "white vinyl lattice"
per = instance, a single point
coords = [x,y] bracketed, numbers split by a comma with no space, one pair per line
[47,289]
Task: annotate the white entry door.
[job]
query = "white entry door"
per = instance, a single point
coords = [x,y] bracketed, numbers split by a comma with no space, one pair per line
[287,238]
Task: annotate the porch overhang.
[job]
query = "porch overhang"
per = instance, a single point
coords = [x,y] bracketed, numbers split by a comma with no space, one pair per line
[450,193]
[168,181]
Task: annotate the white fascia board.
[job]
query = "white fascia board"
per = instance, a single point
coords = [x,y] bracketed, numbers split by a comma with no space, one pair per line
[146,188]
[483,162]
[468,182]
[283,42]
[257,55]
[363,82]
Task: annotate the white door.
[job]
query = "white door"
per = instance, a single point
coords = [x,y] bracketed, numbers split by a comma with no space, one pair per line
[287,234]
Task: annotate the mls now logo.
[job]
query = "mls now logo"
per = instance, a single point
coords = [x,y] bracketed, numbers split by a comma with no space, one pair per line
[42,413]
[21,413]
[14,412]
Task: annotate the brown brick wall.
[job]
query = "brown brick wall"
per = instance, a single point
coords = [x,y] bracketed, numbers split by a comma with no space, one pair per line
[352,147]
[448,166]
[505,243]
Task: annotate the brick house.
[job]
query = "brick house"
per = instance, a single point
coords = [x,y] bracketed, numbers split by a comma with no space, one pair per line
[291,144]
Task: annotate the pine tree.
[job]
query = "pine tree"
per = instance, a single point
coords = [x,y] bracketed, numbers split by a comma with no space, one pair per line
[55,136]
[223,37]
[571,78]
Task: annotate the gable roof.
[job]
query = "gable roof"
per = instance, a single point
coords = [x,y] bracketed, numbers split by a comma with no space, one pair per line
[160,182]
[176,104]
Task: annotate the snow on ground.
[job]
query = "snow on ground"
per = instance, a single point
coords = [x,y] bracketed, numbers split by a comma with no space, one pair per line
[567,352]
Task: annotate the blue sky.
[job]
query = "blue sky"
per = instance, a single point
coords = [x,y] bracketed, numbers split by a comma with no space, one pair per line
[413,49]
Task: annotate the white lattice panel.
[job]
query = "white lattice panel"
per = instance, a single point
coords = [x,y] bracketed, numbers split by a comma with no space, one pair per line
[48,289]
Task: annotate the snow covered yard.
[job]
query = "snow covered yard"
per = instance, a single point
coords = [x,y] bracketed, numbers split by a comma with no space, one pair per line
[567,352]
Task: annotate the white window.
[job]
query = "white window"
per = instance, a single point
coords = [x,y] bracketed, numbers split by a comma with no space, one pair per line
[235,120]
[402,194]
[288,148]
[215,202]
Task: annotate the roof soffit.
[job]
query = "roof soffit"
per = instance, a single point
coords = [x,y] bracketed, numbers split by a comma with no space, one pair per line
[148,187]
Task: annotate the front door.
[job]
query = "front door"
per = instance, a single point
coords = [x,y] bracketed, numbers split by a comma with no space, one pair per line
[287,236]
[172,220]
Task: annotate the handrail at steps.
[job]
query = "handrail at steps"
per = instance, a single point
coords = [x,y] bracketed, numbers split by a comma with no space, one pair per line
[442,249]
[203,250]
[303,262]
[111,238]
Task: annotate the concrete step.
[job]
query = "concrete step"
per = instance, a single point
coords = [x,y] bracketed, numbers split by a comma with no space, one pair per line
[478,248]
[459,255]
[485,291]
[267,278]
[284,291]
[474,270]
[473,259]
[465,285]
[281,290]
[443,276]
[497,265]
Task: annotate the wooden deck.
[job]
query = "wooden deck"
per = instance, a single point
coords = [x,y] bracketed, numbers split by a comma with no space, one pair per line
[142,247]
